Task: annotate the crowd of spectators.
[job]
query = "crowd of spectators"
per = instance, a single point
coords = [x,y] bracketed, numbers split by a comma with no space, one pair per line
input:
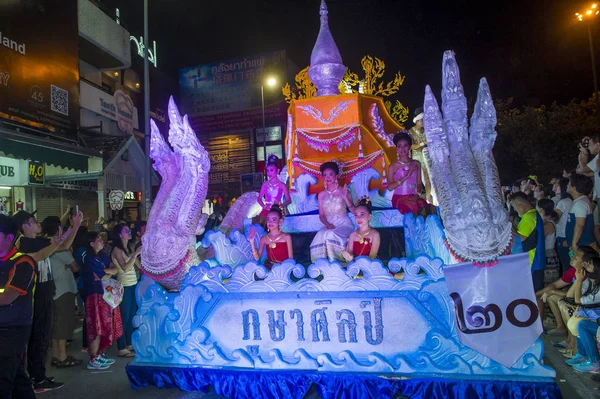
[51,272]
[558,223]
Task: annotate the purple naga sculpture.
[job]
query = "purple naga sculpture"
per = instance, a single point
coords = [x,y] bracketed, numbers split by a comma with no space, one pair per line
[169,245]
[464,172]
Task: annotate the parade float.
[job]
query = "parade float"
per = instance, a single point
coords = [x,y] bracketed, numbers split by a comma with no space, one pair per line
[444,330]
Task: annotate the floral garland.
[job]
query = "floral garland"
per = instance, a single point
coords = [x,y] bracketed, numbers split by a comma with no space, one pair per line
[343,137]
[351,167]
[480,263]
[180,264]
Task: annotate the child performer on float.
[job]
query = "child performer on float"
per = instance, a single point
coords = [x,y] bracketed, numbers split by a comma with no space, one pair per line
[272,190]
[279,244]
[364,241]
[405,178]
[331,240]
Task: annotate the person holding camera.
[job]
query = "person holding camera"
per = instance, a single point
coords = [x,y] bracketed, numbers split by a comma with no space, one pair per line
[591,167]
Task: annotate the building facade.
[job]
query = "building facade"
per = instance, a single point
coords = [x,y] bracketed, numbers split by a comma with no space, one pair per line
[72,131]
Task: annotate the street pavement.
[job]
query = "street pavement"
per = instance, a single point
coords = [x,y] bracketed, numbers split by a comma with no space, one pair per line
[113,383]
[573,385]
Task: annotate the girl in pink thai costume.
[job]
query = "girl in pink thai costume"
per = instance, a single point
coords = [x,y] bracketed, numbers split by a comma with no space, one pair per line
[273,190]
[405,178]
[334,201]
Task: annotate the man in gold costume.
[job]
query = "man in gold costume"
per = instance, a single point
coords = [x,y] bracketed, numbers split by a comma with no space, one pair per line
[421,154]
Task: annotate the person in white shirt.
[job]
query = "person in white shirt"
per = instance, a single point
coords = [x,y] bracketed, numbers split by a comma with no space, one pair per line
[563,207]
[580,223]
[591,168]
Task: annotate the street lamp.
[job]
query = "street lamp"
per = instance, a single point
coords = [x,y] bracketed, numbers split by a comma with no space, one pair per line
[588,15]
[270,82]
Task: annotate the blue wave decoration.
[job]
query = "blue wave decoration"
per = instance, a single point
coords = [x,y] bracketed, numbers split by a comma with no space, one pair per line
[327,319]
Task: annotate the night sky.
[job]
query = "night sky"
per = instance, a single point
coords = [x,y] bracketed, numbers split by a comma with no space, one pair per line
[532,50]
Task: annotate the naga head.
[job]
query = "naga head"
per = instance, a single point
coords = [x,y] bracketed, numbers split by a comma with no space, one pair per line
[168,249]
[463,169]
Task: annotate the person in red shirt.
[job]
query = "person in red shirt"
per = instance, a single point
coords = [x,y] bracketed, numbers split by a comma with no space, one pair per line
[17,282]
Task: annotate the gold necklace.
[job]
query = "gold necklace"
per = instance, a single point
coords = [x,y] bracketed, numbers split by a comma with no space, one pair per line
[273,243]
[272,185]
[362,237]
[405,164]
[332,192]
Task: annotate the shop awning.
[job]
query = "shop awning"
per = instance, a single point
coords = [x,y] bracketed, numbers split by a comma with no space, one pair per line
[52,153]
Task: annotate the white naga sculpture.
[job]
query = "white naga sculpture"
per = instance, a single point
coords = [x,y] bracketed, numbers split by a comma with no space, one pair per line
[464,171]
[169,245]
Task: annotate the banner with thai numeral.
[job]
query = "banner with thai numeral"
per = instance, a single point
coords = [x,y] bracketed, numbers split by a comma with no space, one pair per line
[496,310]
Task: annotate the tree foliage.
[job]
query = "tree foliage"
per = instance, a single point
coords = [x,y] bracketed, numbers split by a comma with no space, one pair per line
[542,140]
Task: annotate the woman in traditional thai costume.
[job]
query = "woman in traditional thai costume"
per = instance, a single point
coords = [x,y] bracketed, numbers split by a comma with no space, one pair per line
[272,190]
[364,241]
[405,178]
[331,240]
[278,244]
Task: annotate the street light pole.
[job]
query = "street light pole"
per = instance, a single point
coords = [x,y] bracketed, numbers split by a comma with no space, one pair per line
[595,76]
[148,164]
[589,15]
[262,96]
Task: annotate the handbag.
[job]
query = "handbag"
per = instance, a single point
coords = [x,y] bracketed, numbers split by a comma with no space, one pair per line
[113,292]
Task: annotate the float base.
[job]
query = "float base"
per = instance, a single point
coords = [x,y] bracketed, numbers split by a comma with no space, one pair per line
[253,384]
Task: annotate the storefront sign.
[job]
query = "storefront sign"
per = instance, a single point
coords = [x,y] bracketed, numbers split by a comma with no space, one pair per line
[116,199]
[84,185]
[10,172]
[273,134]
[124,105]
[139,45]
[135,196]
[39,67]
[37,173]
[118,107]
[228,86]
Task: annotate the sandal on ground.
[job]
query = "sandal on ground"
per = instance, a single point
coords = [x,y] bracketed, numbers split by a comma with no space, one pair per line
[55,361]
[127,354]
[570,353]
[70,361]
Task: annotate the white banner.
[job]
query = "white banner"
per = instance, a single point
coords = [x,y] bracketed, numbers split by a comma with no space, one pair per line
[496,310]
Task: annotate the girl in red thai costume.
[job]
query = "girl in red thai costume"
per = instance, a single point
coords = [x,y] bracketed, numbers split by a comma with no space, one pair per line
[278,244]
[405,178]
[364,241]
[273,190]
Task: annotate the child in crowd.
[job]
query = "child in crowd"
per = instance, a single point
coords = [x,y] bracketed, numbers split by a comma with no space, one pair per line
[272,190]
[279,244]
[545,208]
[405,178]
[563,208]
[364,241]
[583,325]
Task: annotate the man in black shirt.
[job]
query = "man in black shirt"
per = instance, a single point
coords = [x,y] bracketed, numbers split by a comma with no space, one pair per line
[40,249]
[17,281]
